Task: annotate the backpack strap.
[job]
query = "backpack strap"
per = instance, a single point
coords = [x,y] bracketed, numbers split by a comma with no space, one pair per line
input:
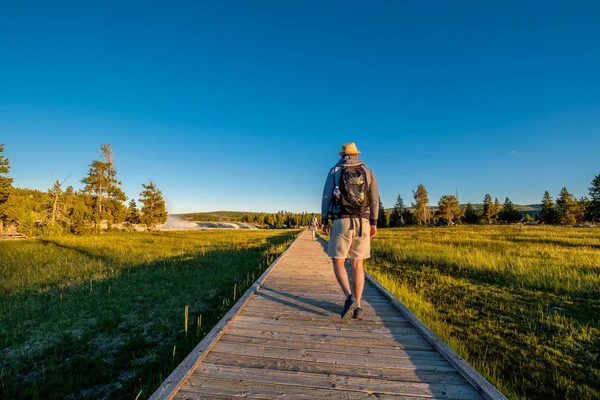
[341,172]
[333,199]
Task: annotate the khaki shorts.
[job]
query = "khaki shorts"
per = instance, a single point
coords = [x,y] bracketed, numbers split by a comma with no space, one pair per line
[344,239]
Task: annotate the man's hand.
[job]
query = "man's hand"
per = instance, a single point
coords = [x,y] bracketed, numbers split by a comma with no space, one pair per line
[373,230]
[325,229]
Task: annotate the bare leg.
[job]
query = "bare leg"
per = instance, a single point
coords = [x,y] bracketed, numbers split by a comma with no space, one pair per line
[358,278]
[342,275]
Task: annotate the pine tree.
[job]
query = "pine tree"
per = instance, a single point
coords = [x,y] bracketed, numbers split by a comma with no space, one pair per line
[422,211]
[566,207]
[55,193]
[5,180]
[449,209]
[594,191]
[382,219]
[408,217]
[5,185]
[497,209]
[487,210]
[81,213]
[133,214]
[270,220]
[154,210]
[582,210]
[396,215]
[102,182]
[548,213]
[68,199]
[509,213]
[470,215]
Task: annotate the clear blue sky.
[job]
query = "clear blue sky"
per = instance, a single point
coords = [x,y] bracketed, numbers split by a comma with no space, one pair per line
[244,105]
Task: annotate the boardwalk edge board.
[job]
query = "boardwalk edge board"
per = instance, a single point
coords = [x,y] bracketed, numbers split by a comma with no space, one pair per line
[485,388]
[170,386]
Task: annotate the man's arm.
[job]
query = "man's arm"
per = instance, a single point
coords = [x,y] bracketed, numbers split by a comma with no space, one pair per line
[327,198]
[374,207]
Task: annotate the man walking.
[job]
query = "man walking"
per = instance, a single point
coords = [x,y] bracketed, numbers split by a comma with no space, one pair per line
[313,225]
[351,200]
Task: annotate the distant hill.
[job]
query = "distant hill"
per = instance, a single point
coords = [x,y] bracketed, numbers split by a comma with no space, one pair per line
[529,208]
[214,216]
[520,207]
[235,216]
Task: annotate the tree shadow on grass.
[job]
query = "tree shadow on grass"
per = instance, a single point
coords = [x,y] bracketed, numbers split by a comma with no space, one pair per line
[554,242]
[112,337]
[500,279]
[81,250]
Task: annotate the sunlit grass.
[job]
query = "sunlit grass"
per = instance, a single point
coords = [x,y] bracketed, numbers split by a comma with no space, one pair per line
[104,316]
[521,304]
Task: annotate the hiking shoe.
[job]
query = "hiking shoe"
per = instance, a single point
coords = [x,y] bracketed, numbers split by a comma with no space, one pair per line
[349,306]
[358,313]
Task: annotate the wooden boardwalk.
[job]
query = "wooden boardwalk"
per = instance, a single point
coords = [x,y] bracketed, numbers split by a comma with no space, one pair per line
[285,339]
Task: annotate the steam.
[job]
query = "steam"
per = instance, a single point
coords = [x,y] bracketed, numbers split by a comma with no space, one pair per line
[176,223]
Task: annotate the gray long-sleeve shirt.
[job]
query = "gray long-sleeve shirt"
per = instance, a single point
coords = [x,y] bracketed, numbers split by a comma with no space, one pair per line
[328,207]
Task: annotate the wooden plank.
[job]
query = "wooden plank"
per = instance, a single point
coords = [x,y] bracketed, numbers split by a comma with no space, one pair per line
[318,305]
[337,297]
[318,289]
[319,308]
[297,319]
[339,382]
[325,285]
[329,317]
[292,272]
[487,390]
[398,374]
[342,332]
[329,312]
[405,328]
[324,308]
[170,386]
[318,298]
[332,288]
[312,278]
[217,388]
[350,360]
[332,314]
[274,286]
[394,352]
[407,342]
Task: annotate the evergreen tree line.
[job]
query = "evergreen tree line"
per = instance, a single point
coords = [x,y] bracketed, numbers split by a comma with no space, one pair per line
[98,206]
[565,210]
[280,219]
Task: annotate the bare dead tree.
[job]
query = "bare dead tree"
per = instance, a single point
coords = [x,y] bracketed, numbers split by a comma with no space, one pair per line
[56,191]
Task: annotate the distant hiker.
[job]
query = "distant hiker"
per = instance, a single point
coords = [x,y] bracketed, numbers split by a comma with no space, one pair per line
[351,200]
[313,225]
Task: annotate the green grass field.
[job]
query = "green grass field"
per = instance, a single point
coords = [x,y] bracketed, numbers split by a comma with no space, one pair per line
[102,316]
[521,304]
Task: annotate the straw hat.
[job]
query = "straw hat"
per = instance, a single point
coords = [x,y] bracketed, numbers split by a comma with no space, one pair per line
[349,149]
